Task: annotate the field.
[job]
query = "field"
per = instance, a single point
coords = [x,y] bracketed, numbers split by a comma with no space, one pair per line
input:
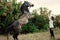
[34,36]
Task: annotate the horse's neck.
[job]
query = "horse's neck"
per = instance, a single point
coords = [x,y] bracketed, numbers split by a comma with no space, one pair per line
[25,16]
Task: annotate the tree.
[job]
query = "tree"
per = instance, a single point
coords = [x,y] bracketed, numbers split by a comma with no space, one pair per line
[57,22]
[41,20]
[8,14]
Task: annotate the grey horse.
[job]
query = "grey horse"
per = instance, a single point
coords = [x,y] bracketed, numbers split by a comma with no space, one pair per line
[16,26]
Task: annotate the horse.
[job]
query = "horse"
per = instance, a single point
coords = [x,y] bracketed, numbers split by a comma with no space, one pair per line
[16,26]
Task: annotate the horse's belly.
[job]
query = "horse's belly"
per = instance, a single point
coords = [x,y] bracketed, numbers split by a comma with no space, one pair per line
[23,21]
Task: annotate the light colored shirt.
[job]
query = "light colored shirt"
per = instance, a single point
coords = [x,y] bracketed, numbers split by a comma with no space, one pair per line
[51,24]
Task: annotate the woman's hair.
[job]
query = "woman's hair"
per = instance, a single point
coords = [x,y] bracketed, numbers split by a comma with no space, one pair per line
[52,18]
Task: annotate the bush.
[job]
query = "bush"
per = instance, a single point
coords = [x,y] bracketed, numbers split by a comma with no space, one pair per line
[8,14]
[46,26]
[29,28]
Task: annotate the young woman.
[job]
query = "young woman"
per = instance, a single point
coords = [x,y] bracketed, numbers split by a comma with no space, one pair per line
[51,26]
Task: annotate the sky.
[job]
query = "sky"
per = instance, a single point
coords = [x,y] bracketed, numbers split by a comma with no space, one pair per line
[53,5]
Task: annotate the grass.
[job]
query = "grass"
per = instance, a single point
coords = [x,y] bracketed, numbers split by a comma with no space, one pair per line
[34,36]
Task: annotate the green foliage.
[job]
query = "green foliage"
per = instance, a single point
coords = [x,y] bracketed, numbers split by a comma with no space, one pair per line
[1,9]
[41,20]
[8,14]
[57,22]
[30,28]
[46,26]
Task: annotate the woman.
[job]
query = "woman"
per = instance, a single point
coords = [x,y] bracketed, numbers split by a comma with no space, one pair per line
[51,25]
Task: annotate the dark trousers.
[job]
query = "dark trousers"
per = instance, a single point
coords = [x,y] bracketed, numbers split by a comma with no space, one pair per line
[52,32]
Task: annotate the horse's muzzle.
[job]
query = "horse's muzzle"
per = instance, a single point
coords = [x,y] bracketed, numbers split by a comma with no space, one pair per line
[32,5]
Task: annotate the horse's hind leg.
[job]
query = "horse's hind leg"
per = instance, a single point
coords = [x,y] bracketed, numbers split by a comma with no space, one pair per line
[15,35]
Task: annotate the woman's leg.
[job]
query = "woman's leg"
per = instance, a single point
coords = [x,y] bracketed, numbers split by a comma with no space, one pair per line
[52,33]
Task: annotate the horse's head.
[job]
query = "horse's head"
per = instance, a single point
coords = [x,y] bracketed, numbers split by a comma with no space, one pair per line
[25,10]
[25,6]
[28,4]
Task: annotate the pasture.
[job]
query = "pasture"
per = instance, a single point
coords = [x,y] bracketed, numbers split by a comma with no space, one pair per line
[34,36]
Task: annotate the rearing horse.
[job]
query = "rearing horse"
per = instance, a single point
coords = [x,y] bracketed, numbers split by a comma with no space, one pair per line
[16,26]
